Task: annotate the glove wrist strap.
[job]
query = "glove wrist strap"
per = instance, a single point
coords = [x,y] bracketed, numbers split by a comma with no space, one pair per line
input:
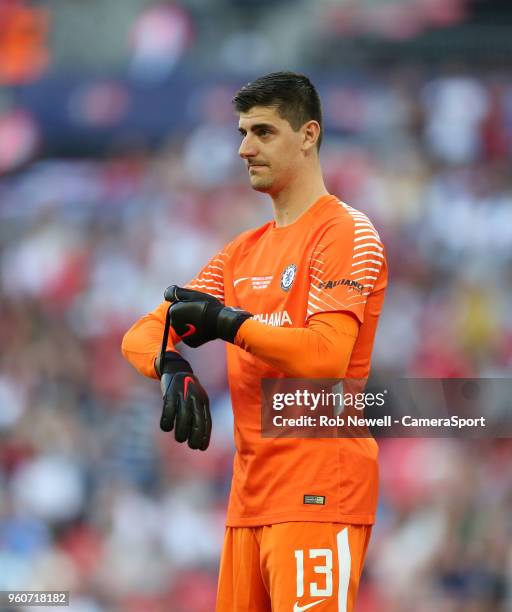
[173,362]
[229,321]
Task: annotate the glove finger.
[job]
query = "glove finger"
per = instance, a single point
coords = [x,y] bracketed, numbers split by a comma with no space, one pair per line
[184,413]
[205,405]
[197,429]
[170,294]
[201,422]
[168,404]
[174,294]
[208,424]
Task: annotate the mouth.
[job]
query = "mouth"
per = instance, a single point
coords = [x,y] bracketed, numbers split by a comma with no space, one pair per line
[256,166]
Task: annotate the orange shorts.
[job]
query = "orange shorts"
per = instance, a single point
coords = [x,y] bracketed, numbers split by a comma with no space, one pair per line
[292,567]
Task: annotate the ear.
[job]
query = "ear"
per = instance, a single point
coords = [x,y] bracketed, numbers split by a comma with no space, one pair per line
[310,135]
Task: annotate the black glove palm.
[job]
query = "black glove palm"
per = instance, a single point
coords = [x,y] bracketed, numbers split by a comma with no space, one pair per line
[186,407]
[198,317]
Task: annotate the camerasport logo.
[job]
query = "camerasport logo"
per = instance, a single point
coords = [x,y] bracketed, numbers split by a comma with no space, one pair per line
[288,276]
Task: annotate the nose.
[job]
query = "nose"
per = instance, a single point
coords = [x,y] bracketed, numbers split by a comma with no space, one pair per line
[247,148]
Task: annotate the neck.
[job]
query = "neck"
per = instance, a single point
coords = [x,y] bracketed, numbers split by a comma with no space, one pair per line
[290,203]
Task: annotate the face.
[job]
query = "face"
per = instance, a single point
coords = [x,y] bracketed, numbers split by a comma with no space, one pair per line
[272,150]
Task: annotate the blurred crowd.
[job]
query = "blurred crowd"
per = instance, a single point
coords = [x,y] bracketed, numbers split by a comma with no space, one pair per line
[95,499]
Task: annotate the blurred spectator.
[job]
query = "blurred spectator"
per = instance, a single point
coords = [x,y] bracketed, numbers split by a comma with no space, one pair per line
[159,38]
[455,108]
[23,42]
[19,139]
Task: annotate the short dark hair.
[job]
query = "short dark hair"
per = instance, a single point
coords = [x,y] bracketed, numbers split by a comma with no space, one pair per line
[293,95]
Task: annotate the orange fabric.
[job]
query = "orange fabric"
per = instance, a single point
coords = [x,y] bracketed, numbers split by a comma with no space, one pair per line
[277,563]
[23,41]
[293,279]
[142,342]
[324,345]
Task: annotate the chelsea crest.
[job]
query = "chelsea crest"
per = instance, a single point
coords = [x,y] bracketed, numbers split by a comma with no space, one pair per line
[288,276]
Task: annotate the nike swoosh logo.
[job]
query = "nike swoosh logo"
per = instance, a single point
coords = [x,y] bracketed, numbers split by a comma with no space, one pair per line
[239,280]
[297,608]
[191,329]
[187,380]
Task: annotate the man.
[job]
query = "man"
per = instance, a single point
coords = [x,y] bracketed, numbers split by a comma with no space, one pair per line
[300,510]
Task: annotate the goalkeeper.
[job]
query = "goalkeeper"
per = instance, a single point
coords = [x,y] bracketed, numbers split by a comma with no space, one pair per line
[301,297]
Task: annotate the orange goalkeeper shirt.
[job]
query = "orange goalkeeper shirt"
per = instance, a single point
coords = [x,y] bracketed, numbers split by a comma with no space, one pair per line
[330,260]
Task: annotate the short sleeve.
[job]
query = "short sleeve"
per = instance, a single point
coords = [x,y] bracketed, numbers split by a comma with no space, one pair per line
[347,265]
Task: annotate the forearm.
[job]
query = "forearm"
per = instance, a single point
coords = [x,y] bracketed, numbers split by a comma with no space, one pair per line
[142,342]
[320,350]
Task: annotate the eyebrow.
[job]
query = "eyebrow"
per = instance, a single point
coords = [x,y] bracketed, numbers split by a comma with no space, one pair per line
[258,126]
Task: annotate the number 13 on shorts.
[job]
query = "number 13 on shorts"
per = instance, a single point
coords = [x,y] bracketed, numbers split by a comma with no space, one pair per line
[314,575]
[325,568]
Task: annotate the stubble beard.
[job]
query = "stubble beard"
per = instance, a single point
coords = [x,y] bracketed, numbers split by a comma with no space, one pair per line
[261,183]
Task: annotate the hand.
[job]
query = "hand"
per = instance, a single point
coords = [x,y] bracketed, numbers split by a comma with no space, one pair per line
[198,317]
[186,407]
